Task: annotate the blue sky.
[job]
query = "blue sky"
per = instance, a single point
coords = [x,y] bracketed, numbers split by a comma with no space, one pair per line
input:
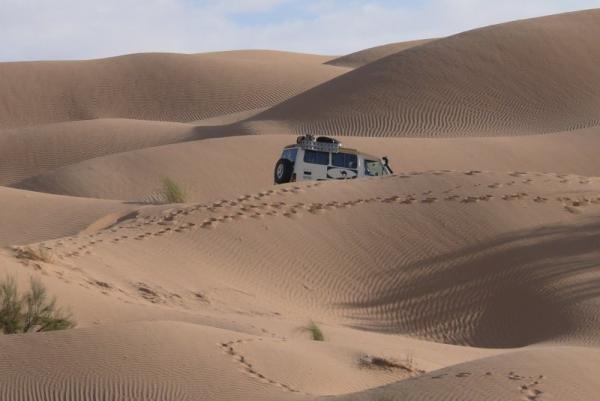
[81,29]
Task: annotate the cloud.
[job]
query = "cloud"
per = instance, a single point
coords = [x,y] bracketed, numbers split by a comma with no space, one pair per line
[76,29]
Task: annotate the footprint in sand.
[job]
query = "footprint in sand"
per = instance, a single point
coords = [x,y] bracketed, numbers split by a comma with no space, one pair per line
[316,209]
[240,216]
[390,199]
[292,213]
[209,224]
[517,173]
[572,209]
[531,391]
[515,196]
[470,199]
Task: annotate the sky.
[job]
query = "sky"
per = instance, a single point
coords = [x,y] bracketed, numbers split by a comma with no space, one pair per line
[84,29]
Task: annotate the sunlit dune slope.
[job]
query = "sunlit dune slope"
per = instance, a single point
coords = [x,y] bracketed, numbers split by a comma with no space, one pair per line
[526,77]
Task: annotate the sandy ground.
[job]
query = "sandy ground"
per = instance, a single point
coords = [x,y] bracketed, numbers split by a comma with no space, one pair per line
[472,273]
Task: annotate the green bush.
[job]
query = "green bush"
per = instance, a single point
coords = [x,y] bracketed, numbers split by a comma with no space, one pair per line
[172,191]
[32,312]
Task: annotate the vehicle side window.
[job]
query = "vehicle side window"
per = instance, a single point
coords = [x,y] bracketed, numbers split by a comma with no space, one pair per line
[290,154]
[316,157]
[346,160]
[373,168]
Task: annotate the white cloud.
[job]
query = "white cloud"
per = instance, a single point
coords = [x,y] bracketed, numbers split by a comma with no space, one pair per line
[68,29]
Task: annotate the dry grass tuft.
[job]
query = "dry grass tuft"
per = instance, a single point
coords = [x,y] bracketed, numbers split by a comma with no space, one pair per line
[172,191]
[315,332]
[376,362]
[39,253]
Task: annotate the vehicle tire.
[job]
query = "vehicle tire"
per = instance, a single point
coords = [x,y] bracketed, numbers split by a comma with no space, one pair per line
[283,171]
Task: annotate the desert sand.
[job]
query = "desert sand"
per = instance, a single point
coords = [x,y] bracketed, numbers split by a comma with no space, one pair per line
[472,273]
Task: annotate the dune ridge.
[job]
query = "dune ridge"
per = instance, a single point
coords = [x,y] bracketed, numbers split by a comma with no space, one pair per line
[51,146]
[526,77]
[155,86]
[366,56]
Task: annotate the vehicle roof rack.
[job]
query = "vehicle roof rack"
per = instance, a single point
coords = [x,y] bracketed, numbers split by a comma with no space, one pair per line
[322,143]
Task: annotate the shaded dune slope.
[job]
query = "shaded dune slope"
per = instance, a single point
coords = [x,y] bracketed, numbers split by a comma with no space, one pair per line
[363,57]
[161,86]
[431,255]
[525,77]
[245,163]
[51,146]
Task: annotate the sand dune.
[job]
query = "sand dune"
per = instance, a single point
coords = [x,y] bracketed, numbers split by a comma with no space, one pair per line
[524,375]
[481,228]
[473,273]
[526,77]
[367,56]
[243,164]
[31,217]
[165,365]
[166,87]
[434,258]
[52,146]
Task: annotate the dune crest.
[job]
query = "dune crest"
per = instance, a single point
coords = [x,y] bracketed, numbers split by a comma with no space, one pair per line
[155,86]
[363,57]
[526,77]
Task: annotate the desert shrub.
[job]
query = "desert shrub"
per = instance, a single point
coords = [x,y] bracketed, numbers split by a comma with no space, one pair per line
[34,311]
[39,253]
[172,191]
[376,362]
[10,307]
[315,332]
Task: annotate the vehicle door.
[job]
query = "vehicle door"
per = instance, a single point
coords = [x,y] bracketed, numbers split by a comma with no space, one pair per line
[344,166]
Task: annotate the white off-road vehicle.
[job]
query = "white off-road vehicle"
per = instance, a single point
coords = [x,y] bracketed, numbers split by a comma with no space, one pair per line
[324,158]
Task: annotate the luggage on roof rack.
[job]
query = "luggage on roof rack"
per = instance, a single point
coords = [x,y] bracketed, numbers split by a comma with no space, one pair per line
[322,143]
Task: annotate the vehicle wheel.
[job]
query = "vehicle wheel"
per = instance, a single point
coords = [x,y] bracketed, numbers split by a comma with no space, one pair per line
[283,171]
